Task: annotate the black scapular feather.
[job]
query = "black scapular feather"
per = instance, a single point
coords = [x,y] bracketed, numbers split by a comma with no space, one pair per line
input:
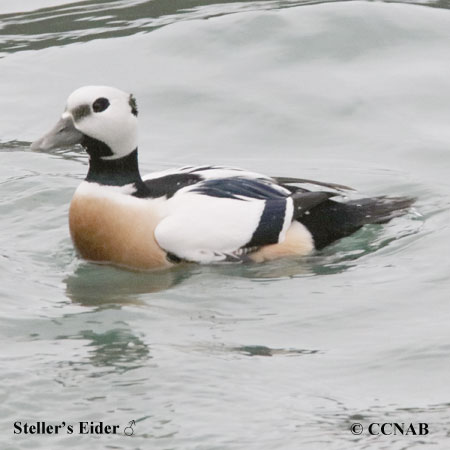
[332,220]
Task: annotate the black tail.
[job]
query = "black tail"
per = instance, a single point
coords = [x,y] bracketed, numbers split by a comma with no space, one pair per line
[333,220]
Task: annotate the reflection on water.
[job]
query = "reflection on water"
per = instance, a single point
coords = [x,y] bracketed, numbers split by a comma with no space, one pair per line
[96,19]
[96,284]
[102,19]
[118,349]
[76,153]
[262,350]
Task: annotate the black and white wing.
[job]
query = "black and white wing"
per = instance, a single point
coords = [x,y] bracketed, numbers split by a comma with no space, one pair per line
[214,214]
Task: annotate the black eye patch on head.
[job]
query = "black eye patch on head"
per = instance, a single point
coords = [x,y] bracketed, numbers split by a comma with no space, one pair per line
[100,104]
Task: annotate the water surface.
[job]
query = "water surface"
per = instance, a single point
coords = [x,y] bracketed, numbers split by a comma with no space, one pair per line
[284,355]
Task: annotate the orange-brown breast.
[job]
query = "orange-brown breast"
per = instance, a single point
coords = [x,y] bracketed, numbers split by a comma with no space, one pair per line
[106,230]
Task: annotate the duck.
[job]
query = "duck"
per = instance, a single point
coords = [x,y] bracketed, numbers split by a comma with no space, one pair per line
[194,214]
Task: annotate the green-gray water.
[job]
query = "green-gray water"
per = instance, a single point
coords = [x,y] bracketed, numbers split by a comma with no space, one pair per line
[285,355]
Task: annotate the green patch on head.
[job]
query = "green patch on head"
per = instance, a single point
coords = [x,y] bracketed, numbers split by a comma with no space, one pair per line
[133,105]
[80,112]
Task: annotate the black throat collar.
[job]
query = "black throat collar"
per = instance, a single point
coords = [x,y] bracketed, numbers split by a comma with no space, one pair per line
[113,172]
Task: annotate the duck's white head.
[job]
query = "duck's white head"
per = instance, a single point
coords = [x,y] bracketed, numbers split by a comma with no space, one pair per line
[101,118]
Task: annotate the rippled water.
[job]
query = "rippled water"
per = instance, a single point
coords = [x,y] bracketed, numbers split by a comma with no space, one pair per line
[285,355]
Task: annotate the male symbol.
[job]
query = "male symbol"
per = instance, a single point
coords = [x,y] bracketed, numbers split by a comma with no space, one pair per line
[128,431]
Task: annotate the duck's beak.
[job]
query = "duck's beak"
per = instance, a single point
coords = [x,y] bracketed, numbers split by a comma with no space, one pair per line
[63,134]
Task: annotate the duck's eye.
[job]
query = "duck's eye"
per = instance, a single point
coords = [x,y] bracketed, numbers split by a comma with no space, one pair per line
[100,104]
